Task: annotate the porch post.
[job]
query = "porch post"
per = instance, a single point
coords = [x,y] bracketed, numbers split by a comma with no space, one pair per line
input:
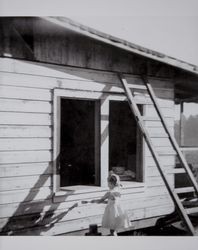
[181,124]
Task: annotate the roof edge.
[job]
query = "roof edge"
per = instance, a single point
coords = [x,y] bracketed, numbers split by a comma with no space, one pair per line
[122,44]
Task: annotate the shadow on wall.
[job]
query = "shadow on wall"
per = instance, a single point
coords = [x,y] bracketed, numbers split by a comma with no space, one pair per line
[26,219]
[37,217]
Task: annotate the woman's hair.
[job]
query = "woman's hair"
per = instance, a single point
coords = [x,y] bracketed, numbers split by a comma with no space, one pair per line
[114,179]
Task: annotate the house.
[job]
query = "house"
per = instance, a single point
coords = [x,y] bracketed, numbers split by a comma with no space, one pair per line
[65,123]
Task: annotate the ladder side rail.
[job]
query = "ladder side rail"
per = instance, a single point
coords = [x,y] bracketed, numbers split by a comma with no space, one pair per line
[171,137]
[174,196]
[137,114]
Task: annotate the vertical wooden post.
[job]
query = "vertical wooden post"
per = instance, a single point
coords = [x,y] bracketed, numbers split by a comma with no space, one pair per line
[104,156]
[181,125]
[140,150]
[56,142]
[97,142]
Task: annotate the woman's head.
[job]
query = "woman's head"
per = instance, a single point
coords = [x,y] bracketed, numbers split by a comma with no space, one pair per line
[113,180]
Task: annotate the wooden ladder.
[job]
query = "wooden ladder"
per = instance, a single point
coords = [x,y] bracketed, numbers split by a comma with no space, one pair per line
[174,193]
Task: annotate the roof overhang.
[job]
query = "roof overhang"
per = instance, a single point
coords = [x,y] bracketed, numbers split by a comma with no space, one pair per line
[122,44]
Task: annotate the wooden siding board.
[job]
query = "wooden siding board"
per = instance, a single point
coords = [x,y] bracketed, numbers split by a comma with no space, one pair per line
[153,171]
[73,73]
[25,157]
[46,205]
[167,112]
[21,95]
[21,169]
[25,182]
[13,105]
[25,93]
[11,118]
[21,131]
[166,161]
[18,144]
[12,201]
[83,223]
[22,208]
[73,213]
[78,76]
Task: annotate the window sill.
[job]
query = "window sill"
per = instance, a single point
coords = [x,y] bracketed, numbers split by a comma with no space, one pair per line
[77,191]
[132,184]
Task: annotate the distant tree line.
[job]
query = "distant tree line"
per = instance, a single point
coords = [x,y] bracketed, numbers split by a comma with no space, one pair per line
[190,130]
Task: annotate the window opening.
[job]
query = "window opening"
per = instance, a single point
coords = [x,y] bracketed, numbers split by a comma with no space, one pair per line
[77,143]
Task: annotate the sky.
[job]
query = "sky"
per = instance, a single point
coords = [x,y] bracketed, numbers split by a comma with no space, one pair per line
[167,26]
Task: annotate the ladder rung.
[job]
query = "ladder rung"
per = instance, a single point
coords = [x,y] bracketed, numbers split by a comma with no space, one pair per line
[177,171]
[137,86]
[192,210]
[159,135]
[167,152]
[184,190]
[160,118]
[150,118]
[142,100]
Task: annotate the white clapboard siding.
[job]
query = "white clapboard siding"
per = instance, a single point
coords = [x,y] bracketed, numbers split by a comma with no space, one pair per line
[58,216]
[18,196]
[83,223]
[157,180]
[60,228]
[26,182]
[110,84]
[25,93]
[29,202]
[25,144]
[30,81]
[161,142]
[22,208]
[164,94]
[79,212]
[80,195]
[14,105]
[158,124]
[153,131]
[12,131]
[156,190]
[152,201]
[153,171]
[99,77]
[167,112]
[165,161]
[21,169]
[25,148]
[165,103]
[12,118]
[25,157]
[75,73]
[166,150]
[159,211]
